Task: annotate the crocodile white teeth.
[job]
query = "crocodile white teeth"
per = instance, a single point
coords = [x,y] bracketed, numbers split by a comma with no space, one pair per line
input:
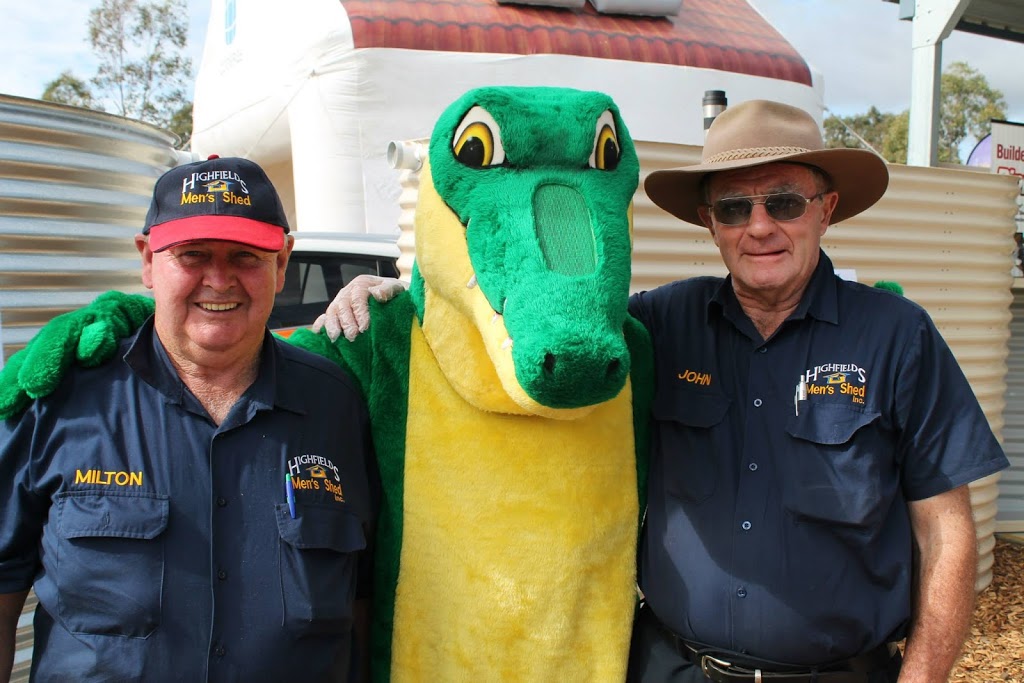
[472,282]
[496,317]
[507,344]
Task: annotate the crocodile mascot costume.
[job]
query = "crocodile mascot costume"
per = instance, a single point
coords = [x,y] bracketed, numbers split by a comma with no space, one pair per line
[508,392]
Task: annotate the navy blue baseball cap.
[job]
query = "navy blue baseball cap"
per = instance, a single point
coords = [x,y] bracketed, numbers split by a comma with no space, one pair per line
[217,199]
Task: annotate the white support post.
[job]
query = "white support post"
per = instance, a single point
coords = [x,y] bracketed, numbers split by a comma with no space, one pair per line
[933,22]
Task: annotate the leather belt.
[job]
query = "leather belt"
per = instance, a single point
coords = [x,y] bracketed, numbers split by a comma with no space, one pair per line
[728,668]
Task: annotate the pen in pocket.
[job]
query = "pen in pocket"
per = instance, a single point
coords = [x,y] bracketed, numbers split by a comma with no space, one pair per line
[289,494]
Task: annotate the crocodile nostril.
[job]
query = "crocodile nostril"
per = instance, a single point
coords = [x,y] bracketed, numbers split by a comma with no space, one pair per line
[613,367]
[549,363]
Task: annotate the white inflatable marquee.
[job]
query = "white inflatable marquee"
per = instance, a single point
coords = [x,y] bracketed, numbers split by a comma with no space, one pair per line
[315,91]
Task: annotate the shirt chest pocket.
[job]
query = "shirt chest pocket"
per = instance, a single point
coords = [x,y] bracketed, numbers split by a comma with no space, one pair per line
[319,558]
[684,434]
[110,564]
[840,469]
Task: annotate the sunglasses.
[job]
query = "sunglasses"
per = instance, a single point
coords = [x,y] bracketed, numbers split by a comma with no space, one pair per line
[782,206]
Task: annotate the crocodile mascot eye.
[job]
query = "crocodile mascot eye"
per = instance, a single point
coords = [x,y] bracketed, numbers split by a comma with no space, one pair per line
[478,140]
[606,152]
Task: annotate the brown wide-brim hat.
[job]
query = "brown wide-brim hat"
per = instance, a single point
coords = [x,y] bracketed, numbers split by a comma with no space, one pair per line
[761,132]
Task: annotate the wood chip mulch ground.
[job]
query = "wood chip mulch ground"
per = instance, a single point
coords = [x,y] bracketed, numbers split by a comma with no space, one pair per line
[995,650]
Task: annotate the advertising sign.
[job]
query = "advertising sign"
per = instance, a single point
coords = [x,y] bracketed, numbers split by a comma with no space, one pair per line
[1008,155]
[1008,159]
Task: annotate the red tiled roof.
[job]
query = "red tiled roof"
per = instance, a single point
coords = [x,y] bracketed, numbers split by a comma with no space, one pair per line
[728,35]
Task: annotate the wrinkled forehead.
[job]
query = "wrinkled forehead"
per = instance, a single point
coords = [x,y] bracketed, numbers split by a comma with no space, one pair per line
[764,179]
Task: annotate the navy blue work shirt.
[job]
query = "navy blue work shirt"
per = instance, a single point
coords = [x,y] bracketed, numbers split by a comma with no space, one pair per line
[161,546]
[779,527]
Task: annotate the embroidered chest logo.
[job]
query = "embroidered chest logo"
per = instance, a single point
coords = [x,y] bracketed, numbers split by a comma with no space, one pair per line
[316,473]
[695,377]
[832,379]
[108,478]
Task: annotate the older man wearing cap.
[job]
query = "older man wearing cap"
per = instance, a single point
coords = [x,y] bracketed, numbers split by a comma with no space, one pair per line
[834,436]
[198,510]
[812,438]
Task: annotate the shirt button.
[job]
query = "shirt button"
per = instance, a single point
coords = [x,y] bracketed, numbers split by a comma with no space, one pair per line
[757,403]
[221,502]
[222,575]
[746,526]
[752,467]
[742,592]
[220,651]
[763,349]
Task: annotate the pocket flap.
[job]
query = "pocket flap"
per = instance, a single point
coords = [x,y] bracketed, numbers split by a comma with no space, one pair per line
[108,514]
[829,423]
[321,527]
[689,407]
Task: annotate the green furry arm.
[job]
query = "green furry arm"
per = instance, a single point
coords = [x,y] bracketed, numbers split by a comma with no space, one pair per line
[641,376]
[89,335]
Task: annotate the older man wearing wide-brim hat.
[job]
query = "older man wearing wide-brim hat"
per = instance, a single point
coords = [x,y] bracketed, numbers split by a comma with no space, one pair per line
[808,433]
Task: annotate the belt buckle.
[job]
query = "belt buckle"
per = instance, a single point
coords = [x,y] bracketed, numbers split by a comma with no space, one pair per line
[721,663]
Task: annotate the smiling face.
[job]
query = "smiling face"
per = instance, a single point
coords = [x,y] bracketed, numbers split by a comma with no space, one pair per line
[771,261]
[213,298]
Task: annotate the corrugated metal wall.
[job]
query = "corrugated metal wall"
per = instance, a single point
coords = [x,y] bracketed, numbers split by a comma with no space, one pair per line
[1011,485]
[944,234]
[74,189]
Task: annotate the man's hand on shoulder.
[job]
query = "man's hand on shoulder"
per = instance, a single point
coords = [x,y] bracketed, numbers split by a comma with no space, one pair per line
[349,313]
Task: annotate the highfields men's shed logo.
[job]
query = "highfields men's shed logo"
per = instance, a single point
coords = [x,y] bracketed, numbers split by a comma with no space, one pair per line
[315,473]
[832,379]
[212,186]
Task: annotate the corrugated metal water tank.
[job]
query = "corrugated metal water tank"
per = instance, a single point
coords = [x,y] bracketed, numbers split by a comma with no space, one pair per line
[74,189]
[944,234]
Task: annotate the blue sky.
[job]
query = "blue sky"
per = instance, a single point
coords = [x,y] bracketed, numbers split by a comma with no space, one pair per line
[860,46]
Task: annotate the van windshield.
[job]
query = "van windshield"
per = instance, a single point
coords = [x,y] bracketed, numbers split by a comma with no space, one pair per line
[313,278]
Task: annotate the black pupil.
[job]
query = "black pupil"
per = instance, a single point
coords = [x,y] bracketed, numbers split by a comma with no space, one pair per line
[611,155]
[472,153]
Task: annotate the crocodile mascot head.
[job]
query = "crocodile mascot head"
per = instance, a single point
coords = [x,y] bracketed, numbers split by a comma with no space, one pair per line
[523,238]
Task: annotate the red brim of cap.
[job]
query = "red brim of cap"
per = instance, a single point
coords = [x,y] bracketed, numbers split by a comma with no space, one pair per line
[263,236]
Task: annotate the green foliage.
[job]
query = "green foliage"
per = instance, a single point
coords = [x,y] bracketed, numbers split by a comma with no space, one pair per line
[897,139]
[871,126]
[181,124]
[967,105]
[69,89]
[142,73]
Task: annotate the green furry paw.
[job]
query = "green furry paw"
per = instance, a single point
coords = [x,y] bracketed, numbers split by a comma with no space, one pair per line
[890,286]
[89,335]
[13,399]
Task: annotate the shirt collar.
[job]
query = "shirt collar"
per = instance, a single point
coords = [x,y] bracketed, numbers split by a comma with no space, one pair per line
[819,301]
[148,359]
